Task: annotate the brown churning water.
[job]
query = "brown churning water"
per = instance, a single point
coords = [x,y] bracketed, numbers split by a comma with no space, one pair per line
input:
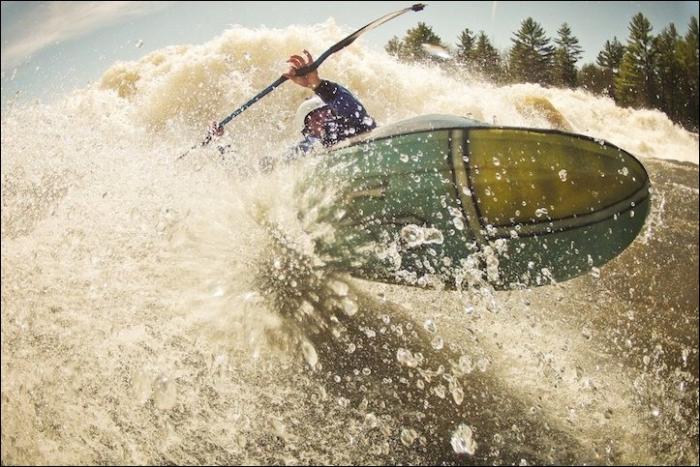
[155,312]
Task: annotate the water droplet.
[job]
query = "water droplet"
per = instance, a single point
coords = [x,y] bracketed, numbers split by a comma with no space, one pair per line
[371,421]
[405,357]
[539,212]
[562,175]
[429,326]
[439,391]
[412,235]
[408,436]
[349,306]
[457,395]
[340,288]
[433,236]
[309,353]
[483,364]
[279,428]
[463,440]
[165,393]
[415,236]
[465,364]
[437,343]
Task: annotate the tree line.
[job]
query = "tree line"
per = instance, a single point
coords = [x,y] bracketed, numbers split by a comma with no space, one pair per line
[649,71]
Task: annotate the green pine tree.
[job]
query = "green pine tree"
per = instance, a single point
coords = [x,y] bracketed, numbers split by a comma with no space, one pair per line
[531,55]
[610,60]
[414,40]
[567,53]
[465,47]
[486,59]
[669,72]
[688,51]
[395,47]
[611,56]
[635,84]
[592,78]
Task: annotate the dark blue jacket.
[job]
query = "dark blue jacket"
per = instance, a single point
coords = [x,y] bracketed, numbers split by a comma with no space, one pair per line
[350,117]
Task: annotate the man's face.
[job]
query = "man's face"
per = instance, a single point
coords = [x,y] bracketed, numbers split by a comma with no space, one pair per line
[317,120]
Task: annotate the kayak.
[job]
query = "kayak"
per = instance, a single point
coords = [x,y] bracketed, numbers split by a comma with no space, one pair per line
[447,201]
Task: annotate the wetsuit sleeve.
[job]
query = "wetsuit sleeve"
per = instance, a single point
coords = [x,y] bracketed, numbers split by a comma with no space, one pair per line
[345,105]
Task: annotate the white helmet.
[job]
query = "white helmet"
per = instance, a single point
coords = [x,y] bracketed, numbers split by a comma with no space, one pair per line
[306,107]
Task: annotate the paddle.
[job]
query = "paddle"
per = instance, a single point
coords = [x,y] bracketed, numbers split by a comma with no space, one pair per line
[307,69]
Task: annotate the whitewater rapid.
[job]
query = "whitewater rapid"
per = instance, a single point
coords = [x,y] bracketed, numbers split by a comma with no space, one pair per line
[150,313]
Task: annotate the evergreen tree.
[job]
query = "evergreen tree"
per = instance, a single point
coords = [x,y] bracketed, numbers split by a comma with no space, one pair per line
[635,85]
[610,59]
[567,53]
[486,59]
[592,78]
[414,40]
[465,47]
[395,48]
[689,61]
[669,72]
[531,55]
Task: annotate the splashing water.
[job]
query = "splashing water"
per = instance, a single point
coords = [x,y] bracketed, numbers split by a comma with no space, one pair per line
[161,312]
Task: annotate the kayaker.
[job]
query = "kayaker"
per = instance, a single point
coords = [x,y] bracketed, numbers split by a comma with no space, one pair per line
[330,116]
[325,119]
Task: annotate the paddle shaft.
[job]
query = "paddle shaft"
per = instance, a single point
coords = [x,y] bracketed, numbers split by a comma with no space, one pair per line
[308,69]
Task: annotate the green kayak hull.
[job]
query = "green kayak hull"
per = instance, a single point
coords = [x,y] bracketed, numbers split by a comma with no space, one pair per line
[446,201]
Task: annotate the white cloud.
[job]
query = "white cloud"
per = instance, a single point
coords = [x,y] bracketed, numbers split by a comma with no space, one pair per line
[48,23]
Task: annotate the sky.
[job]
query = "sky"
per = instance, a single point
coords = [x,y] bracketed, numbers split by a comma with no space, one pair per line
[52,47]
